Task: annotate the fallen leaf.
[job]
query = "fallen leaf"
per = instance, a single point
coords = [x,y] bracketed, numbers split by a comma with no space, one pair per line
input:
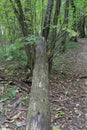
[17,116]
[20,123]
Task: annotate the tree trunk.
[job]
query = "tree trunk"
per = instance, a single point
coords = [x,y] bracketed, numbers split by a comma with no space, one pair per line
[74,19]
[30,51]
[78,26]
[47,20]
[53,34]
[39,109]
[25,30]
[81,27]
[46,28]
[64,32]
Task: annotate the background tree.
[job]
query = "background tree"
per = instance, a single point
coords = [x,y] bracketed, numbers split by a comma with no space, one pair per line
[26,27]
[53,33]
[29,19]
[74,26]
[47,20]
[63,31]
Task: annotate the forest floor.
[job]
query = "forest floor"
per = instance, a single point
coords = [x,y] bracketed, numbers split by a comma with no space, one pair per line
[68,92]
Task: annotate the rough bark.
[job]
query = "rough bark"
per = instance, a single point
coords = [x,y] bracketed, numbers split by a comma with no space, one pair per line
[47,20]
[74,19]
[17,7]
[64,32]
[20,16]
[81,27]
[54,33]
[30,49]
[74,14]
[39,109]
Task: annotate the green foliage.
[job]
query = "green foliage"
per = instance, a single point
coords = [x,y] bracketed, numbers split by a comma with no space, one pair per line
[13,52]
[71,32]
[1,54]
[10,73]
[55,128]
[59,113]
[3,99]
[26,100]
[11,93]
[71,45]
[16,51]
[31,39]
[37,10]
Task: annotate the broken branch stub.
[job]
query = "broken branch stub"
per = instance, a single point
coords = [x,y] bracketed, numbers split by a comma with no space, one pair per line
[38,117]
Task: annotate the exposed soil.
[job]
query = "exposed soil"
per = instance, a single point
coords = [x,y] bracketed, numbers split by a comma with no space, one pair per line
[68,92]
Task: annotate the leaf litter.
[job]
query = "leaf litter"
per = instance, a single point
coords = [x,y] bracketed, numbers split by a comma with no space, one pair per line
[68,94]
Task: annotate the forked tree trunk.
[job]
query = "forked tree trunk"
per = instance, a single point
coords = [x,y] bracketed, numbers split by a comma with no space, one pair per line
[53,34]
[29,49]
[38,117]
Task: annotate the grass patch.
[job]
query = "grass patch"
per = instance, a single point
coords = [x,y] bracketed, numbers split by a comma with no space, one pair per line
[71,45]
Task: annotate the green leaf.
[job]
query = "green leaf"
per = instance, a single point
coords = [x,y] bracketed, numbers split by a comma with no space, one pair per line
[11,93]
[59,113]
[55,128]
[3,99]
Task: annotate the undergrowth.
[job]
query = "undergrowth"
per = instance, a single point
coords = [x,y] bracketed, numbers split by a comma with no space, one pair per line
[16,52]
[13,52]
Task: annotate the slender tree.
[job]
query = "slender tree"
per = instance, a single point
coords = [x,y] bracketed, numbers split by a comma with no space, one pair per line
[74,26]
[64,32]
[47,20]
[53,34]
[17,7]
[78,25]
[81,26]
[26,30]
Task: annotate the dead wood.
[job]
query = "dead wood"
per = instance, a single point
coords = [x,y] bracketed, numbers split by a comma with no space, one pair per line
[38,117]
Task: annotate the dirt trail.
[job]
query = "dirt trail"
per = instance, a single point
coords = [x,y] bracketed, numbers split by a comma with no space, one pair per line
[83,59]
[69,95]
[83,54]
